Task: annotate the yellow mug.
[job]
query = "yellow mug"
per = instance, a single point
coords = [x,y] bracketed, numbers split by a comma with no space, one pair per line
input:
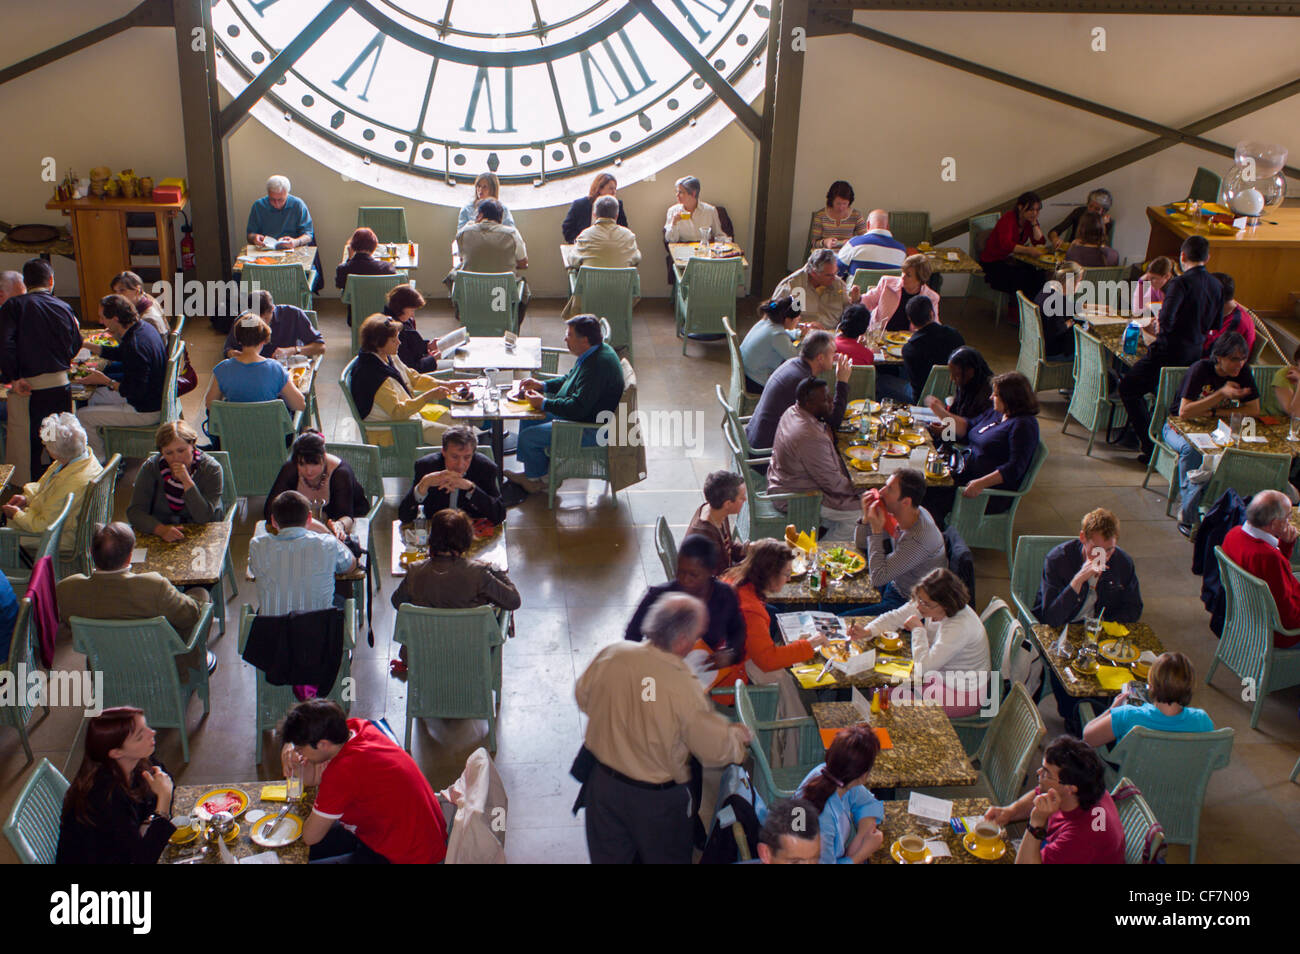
[987,834]
[911,847]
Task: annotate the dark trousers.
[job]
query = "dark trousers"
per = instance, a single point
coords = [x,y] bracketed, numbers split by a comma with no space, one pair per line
[627,824]
[1012,275]
[41,405]
[1142,379]
[341,847]
[1068,705]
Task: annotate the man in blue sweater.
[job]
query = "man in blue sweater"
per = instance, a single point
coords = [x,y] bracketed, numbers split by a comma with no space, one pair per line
[594,384]
[130,394]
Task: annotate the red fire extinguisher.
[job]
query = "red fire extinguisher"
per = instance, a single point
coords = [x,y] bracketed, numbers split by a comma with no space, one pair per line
[187,248]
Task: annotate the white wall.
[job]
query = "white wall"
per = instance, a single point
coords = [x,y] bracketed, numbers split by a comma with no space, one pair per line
[879,118]
[888,127]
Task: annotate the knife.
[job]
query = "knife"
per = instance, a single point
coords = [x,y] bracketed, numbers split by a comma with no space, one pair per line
[275,823]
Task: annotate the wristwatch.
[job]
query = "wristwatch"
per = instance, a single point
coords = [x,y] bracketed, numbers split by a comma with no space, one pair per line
[1038,831]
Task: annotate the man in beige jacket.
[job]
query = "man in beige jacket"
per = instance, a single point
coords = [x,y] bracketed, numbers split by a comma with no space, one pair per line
[647,714]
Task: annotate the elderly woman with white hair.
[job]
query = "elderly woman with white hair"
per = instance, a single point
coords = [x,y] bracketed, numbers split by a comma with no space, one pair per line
[688,215]
[73,468]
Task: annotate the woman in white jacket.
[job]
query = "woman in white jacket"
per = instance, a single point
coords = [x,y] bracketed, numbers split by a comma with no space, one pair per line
[949,643]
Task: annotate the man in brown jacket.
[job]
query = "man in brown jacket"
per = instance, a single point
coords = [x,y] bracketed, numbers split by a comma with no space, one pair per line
[114,592]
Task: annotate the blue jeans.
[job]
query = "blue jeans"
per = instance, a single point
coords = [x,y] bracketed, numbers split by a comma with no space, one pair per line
[1189,459]
[891,382]
[534,448]
[890,599]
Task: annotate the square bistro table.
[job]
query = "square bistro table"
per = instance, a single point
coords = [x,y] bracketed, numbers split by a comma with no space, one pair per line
[403,256]
[194,560]
[834,678]
[942,261]
[853,590]
[900,822]
[683,252]
[926,752]
[1274,435]
[6,472]
[1078,684]
[868,480]
[1112,339]
[476,354]
[185,796]
[490,549]
[506,411]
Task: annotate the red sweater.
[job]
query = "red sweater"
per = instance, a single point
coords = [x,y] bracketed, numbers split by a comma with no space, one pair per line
[857,352]
[1006,235]
[1272,565]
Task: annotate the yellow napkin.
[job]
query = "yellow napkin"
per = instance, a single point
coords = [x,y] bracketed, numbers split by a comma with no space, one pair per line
[431,412]
[806,543]
[275,793]
[807,676]
[1114,629]
[518,405]
[1112,677]
[894,668]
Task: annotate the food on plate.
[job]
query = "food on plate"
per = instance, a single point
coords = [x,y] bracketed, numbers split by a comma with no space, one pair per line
[850,560]
[483,528]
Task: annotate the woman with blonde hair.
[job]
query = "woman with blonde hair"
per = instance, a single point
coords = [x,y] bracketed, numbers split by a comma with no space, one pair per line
[72,469]
[486,186]
[385,389]
[582,212]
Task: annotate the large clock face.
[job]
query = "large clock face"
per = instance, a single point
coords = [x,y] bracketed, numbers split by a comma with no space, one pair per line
[421,93]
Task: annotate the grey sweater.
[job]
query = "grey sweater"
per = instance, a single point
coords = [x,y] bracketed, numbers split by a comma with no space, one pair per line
[149,508]
[916,552]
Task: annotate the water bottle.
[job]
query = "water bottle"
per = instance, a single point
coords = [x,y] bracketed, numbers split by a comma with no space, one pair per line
[1132,335]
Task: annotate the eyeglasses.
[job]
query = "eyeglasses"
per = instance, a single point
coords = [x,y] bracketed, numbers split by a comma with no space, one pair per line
[1042,771]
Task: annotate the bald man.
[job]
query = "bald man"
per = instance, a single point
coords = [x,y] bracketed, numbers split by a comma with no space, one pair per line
[876,248]
[1262,547]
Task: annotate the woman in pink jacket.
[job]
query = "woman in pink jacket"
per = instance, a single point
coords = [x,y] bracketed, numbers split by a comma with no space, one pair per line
[888,300]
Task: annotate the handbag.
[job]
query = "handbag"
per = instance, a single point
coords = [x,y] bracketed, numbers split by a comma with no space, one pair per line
[188,379]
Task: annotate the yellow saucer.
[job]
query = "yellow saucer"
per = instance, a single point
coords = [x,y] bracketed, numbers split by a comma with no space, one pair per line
[183,836]
[990,853]
[896,852]
[915,438]
[866,466]
[1108,649]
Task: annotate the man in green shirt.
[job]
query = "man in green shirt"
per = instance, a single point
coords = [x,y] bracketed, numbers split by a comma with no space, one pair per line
[594,384]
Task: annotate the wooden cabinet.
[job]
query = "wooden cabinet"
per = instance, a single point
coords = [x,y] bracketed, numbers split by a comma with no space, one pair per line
[104,247]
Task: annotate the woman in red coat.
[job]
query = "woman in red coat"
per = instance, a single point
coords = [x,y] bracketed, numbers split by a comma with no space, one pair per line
[1017,233]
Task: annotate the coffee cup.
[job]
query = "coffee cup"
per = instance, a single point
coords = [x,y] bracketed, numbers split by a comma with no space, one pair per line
[987,833]
[911,847]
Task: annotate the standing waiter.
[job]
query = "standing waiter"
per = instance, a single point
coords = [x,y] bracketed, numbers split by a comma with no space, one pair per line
[39,336]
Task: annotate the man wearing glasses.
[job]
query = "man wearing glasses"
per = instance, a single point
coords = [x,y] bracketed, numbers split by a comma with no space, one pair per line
[1072,818]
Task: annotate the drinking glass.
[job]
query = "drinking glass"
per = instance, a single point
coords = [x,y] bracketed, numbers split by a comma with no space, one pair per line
[293,783]
[1293,431]
[1092,626]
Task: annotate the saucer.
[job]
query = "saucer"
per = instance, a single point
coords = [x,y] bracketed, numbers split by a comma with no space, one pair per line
[984,854]
[896,853]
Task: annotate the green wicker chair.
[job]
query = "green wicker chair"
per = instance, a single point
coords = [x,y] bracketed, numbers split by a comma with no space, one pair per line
[138,660]
[11,554]
[978,228]
[230,507]
[23,658]
[1027,573]
[1144,838]
[365,463]
[862,383]
[994,530]
[453,663]
[1246,647]
[737,396]
[96,507]
[487,303]
[910,228]
[756,708]
[868,278]
[366,295]
[258,452]
[738,423]
[1246,472]
[761,518]
[288,284]
[608,293]
[938,383]
[571,459]
[1003,631]
[1032,361]
[705,294]
[1173,769]
[138,442]
[1091,403]
[1263,375]
[666,547]
[1206,185]
[1164,459]
[34,823]
[387,222]
[397,454]
[272,702]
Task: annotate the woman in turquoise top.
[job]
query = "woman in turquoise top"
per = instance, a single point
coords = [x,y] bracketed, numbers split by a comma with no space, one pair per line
[769,343]
[850,815]
[486,186]
[249,378]
[1170,683]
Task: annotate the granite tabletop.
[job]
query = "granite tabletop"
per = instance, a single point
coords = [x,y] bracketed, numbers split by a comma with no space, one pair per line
[194,560]
[1086,684]
[302,256]
[6,471]
[853,590]
[865,480]
[183,802]
[1112,339]
[682,252]
[490,549]
[507,410]
[835,679]
[926,751]
[1049,262]
[898,822]
[962,264]
[1274,435]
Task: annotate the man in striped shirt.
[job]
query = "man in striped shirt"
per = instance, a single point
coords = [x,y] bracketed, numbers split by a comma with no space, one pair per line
[895,512]
[876,249]
[294,564]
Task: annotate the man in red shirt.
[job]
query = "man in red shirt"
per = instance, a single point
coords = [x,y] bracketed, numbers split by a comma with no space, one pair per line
[1262,547]
[1072,818]
[374,806]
